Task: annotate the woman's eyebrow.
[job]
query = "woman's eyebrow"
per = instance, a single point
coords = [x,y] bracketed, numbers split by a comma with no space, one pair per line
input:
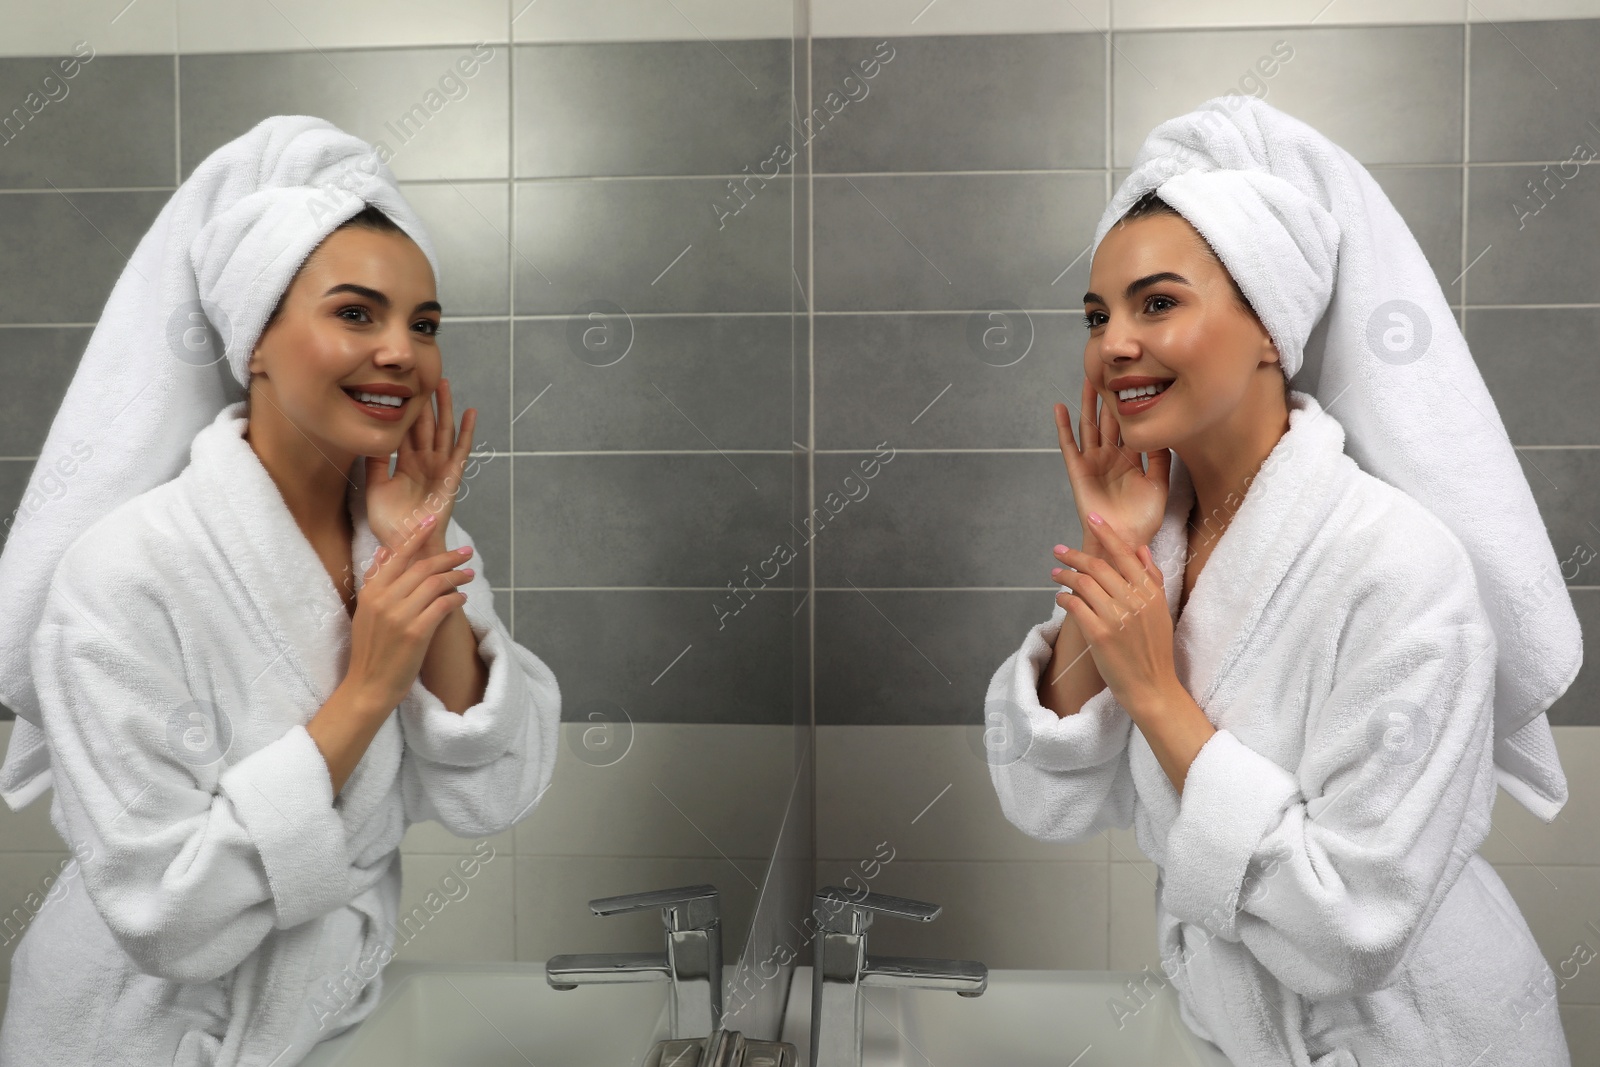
[1141,283]
[381,299]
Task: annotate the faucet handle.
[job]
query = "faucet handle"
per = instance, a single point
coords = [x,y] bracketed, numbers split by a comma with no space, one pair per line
[859,909]
[689,907]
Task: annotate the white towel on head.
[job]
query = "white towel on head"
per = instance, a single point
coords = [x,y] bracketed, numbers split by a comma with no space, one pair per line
[198,289]
[1341,285]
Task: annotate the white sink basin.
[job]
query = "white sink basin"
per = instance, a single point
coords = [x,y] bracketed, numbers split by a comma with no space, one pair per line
[1023,1019]
[498,1015]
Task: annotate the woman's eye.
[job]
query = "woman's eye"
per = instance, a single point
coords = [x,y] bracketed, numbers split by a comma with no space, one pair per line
[433,327]
[1167,300]
[352,307]
[1091,319]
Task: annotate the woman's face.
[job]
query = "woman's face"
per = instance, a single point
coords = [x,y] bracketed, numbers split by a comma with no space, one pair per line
[362,311]
[1160,306]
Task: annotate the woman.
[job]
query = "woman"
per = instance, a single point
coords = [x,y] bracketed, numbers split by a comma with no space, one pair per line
[219,658]
[1307,651]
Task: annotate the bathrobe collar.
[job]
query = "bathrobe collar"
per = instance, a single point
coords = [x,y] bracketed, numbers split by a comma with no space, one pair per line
[1285,506]
[276,566]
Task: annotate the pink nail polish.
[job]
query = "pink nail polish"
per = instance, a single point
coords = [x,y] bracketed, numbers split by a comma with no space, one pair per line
[1096,519]
[1061,548]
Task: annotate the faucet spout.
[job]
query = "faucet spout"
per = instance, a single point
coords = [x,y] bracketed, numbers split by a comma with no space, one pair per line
[605,968]
[969,978]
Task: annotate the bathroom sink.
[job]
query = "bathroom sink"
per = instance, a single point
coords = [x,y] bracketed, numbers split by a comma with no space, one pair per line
[498,1015]
[1023,1019]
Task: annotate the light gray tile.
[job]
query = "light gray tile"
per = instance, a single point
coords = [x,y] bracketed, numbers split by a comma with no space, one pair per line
[476,357]
[954,241]
[1520,352]
[27,880]
[455,908]
[65,251]
[1580,705]
[470,224]
[1520,837]
[431,839]
[1037,916]
[902,658]
[674,244]
[968,102]
[108,124]
[1581,1023]
[650,107]
[632,520]
[888,784]
[414,102]
[658,657]
[1533,87]
[1558,904]
[1133,918]
[613,381]
[483,509]
[984,379]
[1531,226]
[1334,79]
[677,789]
[553,892]
[931,519]
[37,365]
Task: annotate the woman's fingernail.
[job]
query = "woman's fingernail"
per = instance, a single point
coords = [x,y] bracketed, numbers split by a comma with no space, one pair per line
[1061,548]
[1096,519]
[1055,572]
[427,520]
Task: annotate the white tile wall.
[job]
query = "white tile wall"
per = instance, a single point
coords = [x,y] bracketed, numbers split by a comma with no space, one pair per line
[688,803]
[1011,901]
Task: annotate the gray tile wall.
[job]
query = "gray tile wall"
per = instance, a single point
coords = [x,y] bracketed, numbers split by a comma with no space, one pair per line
[643,460]
[953,208]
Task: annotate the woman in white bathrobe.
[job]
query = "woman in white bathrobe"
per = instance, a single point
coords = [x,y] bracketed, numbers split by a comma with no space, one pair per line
[1312,770]
[247,702]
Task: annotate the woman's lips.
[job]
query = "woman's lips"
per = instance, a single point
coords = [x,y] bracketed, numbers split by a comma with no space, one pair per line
[384,414]
[1140,404]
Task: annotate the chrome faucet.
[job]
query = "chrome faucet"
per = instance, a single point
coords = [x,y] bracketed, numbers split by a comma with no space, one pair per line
[841,967]
[692,961]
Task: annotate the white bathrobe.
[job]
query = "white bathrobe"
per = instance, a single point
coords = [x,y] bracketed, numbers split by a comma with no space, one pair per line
[214,899]
[1319,896]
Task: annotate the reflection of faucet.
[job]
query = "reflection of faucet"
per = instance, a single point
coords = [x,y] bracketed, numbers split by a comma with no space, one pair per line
[842,967]
[723,1048]
[692,962]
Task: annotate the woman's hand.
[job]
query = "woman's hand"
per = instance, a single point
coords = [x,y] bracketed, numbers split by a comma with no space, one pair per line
[406,594]
[426,477]
[1108,479]
[1120,605]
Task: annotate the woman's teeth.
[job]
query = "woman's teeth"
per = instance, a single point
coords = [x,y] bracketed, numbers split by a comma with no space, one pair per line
[1143,390]
[377,398]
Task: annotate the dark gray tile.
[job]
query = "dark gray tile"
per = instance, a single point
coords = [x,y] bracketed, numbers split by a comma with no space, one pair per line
[434,121]
[934,520]
[1563,481]
[1580,704]
[653,520]
[109,124]
[653,382]
[1336,79]
[476,357]
[659,656]
[1534,89]
[974,380]
[650,107]
[1532,245]
[954,241]
[14,475]
[1429,200]
[1520,352]
[483,509]
[651,245]
[470,224]
[916,658]
[65,251]
[989,102]
[37,365]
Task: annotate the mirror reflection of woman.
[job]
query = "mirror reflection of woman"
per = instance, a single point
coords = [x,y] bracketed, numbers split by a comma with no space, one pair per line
[259,656]
[1298,684]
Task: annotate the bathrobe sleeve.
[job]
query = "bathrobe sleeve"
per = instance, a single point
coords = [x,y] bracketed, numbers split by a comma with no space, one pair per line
[1329,875]
[190,866]
[479,772]
[1058,779]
